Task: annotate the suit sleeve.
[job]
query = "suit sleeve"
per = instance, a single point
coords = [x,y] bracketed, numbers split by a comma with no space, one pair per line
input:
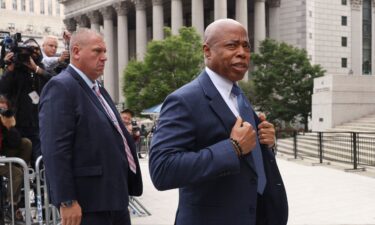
[57,123]
[175,159]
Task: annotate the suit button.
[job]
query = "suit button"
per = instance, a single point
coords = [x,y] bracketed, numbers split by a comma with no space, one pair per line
[253,180]
[251,210]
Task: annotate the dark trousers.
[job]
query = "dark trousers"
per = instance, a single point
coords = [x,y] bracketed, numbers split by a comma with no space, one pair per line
[106,218]
[32,133]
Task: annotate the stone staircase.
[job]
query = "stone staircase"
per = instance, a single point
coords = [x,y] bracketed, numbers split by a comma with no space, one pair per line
[337,142]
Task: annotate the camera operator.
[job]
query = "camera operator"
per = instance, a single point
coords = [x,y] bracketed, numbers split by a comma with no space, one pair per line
[133,129]
[23,83]
[12,145]
[52,61]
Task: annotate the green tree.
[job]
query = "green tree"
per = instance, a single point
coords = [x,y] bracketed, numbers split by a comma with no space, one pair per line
[168,64]
[283,82]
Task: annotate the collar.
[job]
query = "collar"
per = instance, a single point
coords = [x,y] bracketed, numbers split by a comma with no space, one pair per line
[89,82]
[222,84]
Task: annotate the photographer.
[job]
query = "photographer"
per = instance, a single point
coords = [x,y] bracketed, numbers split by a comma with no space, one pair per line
[22,82]
[52,61]
[12,145]
[133,129]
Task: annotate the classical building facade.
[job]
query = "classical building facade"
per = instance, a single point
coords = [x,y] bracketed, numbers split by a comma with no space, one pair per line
[32,18]
[337,34]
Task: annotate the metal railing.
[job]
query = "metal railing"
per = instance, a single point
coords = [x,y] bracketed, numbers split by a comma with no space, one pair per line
[43,212]
[27,175]
[355,148]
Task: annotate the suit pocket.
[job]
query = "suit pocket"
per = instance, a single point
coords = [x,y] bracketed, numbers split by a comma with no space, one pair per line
[88,171]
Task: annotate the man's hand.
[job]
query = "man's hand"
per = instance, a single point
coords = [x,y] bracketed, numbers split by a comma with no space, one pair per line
[266,131]
[31,65]
[8,58]
[8,122]
[64,56]
[245,134]
[71,215]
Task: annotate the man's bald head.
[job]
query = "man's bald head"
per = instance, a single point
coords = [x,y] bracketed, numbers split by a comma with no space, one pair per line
[80,37]
[227,49]
[88,52]
[217,28]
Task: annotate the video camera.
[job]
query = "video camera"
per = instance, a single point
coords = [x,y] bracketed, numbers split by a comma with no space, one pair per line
[13,43]
[6,112]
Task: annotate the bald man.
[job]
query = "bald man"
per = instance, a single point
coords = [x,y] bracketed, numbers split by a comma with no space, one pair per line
[89,156]
[211,145]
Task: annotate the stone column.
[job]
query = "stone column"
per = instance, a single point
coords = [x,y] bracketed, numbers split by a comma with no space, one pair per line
[197,14]
[241,12]
[220,9]
[259,23]
[157,20]
[141,29]
[82,21]
[71,24]
[94,17]
[176,16]
[109,76]
[356,60]
[274,18]
[122,44]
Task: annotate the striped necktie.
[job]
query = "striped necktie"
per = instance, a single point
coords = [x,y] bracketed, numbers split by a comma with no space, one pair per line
[112,116]
[246,113]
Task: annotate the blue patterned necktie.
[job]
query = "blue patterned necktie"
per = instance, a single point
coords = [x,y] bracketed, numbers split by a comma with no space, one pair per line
[246,113]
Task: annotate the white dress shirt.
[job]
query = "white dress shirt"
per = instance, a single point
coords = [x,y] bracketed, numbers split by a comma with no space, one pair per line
[224,86]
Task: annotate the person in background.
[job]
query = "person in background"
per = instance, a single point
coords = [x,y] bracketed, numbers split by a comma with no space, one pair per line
[211,145]
[12,145]
[89,156]
[51,59]
[132,127]
[22,83]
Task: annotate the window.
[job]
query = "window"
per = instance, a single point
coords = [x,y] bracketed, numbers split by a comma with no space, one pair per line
[23,5]
[11,26]
[310,13]
[14,4]
[42,7]
[2,4]
[57,5]
[344,62]
[31,5]
[310,35]
[49,7]
[343,2]
[366,37]
[344,41]
[344,20]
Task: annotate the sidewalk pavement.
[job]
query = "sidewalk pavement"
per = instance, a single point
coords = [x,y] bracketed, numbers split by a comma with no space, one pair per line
[318,195]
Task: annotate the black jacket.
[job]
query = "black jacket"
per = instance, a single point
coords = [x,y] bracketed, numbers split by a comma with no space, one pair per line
[16,86]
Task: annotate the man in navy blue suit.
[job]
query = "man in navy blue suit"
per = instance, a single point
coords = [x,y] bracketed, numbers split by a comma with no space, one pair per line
[89,156]
[211,145]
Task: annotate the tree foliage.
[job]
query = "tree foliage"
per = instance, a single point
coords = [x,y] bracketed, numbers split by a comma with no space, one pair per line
[283,82]
[168,64]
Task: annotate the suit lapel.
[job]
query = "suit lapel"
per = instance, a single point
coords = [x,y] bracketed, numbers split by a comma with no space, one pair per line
[91,93]
[220,108]
[216,102]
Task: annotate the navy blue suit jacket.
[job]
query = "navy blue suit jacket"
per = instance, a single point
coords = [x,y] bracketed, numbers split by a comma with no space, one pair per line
[191,150]
[83,153]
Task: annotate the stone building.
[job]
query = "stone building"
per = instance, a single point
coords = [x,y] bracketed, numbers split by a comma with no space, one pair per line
[32,18]
[337,34]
